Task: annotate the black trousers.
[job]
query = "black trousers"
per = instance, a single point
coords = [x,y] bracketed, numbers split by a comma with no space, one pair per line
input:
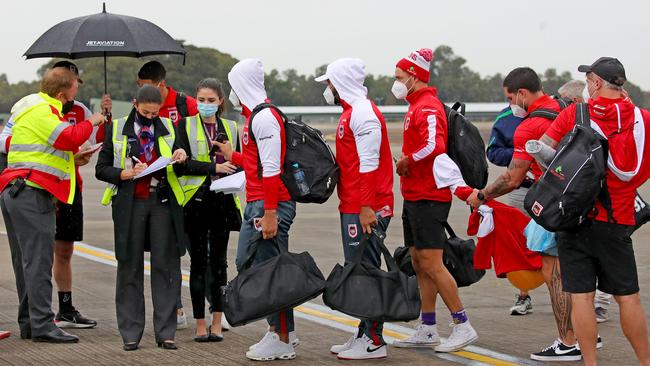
[153,218]
[208,236]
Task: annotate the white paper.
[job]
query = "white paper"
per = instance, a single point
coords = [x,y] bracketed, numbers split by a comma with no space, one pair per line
[230,184]
[92,149]
[160,163]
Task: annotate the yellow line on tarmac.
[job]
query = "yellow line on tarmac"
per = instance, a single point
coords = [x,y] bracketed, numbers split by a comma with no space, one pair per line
[334,318]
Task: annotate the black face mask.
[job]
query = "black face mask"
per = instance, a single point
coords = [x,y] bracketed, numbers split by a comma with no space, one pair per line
[144,121]
[67,107]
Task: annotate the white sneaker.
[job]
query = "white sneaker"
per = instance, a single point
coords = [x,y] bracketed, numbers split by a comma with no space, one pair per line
[181,320]
[272,349]
[364,349]
[424,336]
[461,335]
[338,348]
[225,326]
[293,339]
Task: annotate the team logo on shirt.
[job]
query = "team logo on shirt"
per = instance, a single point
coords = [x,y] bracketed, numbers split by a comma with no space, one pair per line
[407,121]
[173,114]
[245,138]
[72,120]
[341,131]
[352,230]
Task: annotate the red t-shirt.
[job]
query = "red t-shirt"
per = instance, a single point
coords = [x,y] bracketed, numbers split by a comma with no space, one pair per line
[533,128]
[624,149]
[169,109]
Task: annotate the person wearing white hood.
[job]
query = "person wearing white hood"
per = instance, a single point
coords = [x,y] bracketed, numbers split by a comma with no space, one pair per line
[365,186]
[269,207]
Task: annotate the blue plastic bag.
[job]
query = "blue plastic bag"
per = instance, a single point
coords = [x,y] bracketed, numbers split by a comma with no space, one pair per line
[539,239]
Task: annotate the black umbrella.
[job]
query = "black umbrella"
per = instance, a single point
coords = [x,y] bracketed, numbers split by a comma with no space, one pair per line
[104,34]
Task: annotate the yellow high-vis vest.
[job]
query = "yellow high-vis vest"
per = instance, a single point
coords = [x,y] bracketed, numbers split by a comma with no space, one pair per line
[35,131]
[165,145]
[200,151]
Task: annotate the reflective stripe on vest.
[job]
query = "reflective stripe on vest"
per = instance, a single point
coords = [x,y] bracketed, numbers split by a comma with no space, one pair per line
[165,145]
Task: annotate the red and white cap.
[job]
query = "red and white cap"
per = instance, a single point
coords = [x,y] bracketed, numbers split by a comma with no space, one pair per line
[417,64]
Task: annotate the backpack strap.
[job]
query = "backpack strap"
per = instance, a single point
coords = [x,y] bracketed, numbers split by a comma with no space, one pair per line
[254,113]
[543,113]
[450,231]
[583,119]
[181,105]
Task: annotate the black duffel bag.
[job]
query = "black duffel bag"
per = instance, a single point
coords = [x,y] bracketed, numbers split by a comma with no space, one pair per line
[274,285]
[364,291]
[458,257]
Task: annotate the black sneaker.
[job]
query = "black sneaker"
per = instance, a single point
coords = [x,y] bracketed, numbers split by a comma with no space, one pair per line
[558,351]
[73,319]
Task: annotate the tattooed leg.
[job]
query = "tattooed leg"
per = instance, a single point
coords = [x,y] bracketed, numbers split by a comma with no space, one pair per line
[560,300]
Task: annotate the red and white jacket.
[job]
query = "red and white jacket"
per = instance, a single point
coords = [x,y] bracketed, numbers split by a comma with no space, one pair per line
[247,80]
[362,148]
[425,137]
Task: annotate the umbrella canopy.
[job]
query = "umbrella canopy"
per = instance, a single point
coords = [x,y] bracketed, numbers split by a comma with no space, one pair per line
[102,35]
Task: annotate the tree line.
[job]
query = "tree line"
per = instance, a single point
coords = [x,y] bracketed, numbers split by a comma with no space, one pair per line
[449,73]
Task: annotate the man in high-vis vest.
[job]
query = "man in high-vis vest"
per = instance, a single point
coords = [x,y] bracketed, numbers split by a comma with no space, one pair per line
[145,209]
[41,169]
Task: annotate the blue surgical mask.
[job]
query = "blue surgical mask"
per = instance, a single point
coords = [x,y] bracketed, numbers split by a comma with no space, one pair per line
[207,109]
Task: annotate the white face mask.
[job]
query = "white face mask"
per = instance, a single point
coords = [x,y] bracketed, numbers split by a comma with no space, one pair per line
[399,90]
[234,100]
[518,111]
[329,96]
[585,94]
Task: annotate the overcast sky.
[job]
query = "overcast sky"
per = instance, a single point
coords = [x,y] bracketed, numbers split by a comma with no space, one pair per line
[494,36]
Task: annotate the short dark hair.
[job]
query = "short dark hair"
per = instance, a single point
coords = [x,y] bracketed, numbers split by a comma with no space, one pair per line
[152,70]
[522,78]
[148,94]
[215,85]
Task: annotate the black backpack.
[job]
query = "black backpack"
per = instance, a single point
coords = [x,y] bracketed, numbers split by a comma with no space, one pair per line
[465,147]
[567,191]
[641,211]
[310,170]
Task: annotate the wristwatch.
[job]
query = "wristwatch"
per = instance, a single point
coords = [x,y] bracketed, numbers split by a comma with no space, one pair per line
[480,196]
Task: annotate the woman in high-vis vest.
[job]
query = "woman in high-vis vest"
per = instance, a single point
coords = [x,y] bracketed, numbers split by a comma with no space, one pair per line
[209,216]
[144,208]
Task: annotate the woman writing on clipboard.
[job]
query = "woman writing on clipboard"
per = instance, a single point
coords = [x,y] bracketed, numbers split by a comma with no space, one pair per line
[209,216]
[147,207]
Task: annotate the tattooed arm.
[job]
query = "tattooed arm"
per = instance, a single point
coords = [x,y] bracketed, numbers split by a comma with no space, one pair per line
[549,141]
[506,183]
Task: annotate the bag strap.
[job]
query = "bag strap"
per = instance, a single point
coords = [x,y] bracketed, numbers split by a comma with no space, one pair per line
[254,113]
[450,231]
[543,113]
[253,245]
[459,107]
[181,105]
[583,119]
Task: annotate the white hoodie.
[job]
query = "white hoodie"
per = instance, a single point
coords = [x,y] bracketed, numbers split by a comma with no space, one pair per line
[347,75]
[247,80]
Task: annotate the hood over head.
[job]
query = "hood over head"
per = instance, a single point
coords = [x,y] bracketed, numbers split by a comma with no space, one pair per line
[247,80]
[347,75]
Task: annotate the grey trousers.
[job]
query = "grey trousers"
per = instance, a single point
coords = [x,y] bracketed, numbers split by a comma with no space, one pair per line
[30,220]
[152,216]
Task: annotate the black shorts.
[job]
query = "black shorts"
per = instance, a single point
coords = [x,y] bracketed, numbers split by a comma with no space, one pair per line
[598,253]
[70,219]
[422,221]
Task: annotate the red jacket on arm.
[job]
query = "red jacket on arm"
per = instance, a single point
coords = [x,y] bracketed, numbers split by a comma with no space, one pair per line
[425,137]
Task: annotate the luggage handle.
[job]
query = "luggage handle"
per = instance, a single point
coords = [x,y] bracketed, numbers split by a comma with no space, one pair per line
[390,261]
[459,107]
[254,242]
